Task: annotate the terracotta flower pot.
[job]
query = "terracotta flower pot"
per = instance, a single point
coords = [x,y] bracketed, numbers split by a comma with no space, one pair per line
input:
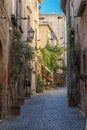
[28,95]
[47,87]
[21,101]
[86,114]
[71,102]
[15,110]
[38,91]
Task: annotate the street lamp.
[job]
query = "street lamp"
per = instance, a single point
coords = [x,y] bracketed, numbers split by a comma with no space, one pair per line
[28,81]
[30,34]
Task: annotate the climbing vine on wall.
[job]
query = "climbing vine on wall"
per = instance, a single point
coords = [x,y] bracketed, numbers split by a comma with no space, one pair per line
[74,58]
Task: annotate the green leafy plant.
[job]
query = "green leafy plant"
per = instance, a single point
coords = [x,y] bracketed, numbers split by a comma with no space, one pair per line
[41,88]
[74,58]
[19,56]
[49,56]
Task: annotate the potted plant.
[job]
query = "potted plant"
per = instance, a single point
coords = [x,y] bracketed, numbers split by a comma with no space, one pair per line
[20,100]
[19,56]
[71,102]
[13,86]
[28,94]
[15,109]
[47,87]
[40,87]
[14,106]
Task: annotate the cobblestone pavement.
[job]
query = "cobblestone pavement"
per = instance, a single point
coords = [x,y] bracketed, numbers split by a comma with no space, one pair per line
[47,111]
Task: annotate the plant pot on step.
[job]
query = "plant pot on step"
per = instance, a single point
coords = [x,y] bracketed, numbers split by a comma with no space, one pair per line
[47,87]
[15,110]
[38,91]
[71,102]
[21,101]
[86,114]
[28,95]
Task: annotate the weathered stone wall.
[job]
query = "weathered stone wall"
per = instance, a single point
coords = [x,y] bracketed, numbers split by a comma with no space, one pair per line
[79,24]
[83,40]
[57,24]
[5,10]
[45,35]
[30,10]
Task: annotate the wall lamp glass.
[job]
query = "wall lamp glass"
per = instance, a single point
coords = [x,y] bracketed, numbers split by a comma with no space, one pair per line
[30,34]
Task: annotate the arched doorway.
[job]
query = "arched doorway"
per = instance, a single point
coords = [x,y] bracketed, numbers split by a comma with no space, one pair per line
[1,81]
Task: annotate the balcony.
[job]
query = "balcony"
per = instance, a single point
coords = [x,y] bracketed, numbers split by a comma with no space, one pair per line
[82,8]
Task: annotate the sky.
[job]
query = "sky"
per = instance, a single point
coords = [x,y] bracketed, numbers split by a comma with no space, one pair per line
[51,7]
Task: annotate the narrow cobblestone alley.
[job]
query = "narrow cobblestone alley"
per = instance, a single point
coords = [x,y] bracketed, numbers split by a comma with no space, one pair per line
[46,111]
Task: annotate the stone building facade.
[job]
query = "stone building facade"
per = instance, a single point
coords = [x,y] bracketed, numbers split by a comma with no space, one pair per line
[76,13]
[30,10]
[46,36]
[5,23]
[56,22]
[82,38]
[15,14]
[53,31]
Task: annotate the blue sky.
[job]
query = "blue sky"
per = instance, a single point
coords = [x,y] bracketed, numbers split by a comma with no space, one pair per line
[50,7]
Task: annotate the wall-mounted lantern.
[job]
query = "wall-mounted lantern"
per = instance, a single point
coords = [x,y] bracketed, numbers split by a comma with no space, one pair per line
[30,34]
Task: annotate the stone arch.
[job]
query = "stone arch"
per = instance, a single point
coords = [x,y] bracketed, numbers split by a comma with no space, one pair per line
[1,77]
